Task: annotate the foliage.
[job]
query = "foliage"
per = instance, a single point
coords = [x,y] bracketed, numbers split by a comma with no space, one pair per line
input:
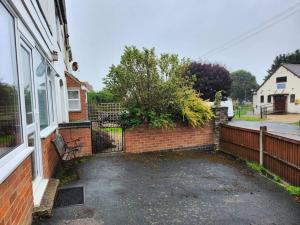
[242,84]
[218,99]
[103,96]
[210,78]
[293,190]
[151,89]
[292,58]
[193,109]
[255,166]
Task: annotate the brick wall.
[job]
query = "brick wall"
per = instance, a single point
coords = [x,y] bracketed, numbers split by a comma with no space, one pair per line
[50,158]
[83,114]
[147,139]
[16,201]
[83,133]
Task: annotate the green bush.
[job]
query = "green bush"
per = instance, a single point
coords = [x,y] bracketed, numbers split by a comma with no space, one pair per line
[155,90]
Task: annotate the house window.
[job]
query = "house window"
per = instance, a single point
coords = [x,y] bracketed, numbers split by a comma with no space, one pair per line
[26,72]
[269,98]
[74,99]
[281,79]
[10,114]
[292,98]
[41,85]
[262,99]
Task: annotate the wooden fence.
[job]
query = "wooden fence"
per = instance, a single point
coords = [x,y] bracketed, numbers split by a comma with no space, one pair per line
[280,155]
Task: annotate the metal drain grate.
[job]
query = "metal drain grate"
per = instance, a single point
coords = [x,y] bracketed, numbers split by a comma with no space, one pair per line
[69,196]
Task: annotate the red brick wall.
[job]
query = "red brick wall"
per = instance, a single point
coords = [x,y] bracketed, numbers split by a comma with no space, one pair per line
[16,201]
[147,139]
[50,158]
[83,133]
[83,114]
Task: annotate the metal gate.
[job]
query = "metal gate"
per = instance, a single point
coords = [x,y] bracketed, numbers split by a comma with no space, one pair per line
[107,133]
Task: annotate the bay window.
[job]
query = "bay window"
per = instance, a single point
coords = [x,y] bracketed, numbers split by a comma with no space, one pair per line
[44,79]
[10,113]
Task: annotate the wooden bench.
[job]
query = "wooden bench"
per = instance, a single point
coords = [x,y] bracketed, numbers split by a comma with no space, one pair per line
[66,151]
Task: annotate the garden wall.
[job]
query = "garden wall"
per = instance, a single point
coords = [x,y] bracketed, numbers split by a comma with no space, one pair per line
[82,130]
[146,139]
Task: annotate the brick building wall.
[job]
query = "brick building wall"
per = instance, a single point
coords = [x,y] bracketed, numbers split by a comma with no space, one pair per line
[73,82]
[50,158]
[147,139]
[16,201]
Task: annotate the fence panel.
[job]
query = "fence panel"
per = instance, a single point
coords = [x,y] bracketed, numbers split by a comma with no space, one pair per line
[281,155]
[241,142]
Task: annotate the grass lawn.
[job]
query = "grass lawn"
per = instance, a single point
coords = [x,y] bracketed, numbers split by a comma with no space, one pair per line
[295,123]
[240,113]
[242,109]
[248,118]
[112,129]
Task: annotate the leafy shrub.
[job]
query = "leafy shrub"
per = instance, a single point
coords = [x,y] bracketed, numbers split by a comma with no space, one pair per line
[192,108]
[155,90]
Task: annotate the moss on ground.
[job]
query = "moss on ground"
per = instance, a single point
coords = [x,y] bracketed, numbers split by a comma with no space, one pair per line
[68,174]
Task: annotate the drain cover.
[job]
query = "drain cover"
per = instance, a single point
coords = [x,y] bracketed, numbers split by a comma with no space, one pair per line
[69,196]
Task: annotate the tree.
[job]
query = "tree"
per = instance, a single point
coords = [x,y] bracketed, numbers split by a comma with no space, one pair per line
[210,78]
[103,96]
[292,58]
[154,90]
[243,83]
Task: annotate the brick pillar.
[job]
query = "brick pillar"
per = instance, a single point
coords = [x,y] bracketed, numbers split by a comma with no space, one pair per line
[221,116]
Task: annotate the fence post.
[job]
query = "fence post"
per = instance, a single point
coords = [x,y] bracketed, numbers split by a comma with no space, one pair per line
[262,131]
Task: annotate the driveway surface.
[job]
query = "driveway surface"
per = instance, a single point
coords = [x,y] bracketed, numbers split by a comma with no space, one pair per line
[176,188]
[282,129]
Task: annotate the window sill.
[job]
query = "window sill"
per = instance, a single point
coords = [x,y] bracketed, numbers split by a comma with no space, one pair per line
[10,166]
[75,110]
[47,131]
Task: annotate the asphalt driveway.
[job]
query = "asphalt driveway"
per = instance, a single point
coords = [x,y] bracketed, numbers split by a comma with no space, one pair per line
[176,188]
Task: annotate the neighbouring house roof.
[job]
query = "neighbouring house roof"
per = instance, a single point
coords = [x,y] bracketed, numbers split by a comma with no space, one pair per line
[293,68]
[74,78]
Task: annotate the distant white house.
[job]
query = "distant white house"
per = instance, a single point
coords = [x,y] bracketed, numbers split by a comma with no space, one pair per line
[280,92]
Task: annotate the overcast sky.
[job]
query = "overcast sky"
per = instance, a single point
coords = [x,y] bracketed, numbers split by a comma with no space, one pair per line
[99,30]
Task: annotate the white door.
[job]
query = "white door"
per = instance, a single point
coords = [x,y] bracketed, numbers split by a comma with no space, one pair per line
[32,129]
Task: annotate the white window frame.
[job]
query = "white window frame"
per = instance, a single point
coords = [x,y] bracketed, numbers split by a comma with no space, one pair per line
[10,161]
[79,99]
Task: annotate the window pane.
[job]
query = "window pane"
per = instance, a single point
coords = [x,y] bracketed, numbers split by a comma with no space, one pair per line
[26,73]
[73,94]
[51,100]
[40,77]
[10,116]
[74,104]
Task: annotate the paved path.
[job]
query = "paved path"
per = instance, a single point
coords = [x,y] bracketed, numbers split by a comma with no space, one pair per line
[283,129]
[183,188]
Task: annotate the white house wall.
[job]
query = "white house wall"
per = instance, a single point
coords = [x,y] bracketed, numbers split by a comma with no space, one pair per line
[269,88]
[33,26]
